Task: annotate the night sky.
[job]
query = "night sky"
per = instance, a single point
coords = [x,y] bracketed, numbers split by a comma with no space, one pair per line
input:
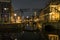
[29,3]
[22,4]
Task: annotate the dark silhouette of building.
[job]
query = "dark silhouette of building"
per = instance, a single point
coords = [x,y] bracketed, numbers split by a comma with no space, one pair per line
[5,10]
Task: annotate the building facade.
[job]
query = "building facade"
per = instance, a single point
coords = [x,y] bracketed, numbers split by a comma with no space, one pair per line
[5,11]
[54,14]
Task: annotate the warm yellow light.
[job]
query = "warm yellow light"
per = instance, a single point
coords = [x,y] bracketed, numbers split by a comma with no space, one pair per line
[54,16]
[18,19]
[39,26]
[15,14]
[12,19]
[59,8]
[36,20]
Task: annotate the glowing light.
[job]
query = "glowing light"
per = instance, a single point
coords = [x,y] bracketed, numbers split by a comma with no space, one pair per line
[59,8]
[5,8]
[15,38]
[36,20]
[27,17]
[54,16]
[18,20]
[12,19]
[15,14]
[39,25]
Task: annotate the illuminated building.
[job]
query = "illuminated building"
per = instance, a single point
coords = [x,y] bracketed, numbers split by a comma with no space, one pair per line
[54,14]
[52,11]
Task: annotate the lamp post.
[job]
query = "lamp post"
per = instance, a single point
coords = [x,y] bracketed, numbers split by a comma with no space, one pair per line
[15,17]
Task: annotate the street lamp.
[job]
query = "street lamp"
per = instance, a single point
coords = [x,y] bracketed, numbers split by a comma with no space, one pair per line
[15,17]
[5,9]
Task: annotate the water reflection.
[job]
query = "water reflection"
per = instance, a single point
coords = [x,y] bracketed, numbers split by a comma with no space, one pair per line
[25,32]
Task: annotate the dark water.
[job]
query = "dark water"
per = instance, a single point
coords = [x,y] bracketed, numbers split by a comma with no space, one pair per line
[24,35]
[16,33]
